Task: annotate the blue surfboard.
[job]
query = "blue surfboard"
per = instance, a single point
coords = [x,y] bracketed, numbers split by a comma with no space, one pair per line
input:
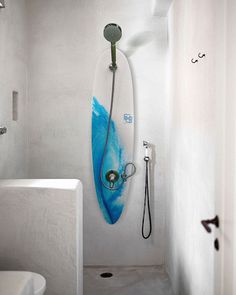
[120,145]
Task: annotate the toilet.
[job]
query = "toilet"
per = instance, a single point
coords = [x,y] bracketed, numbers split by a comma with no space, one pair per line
[39,284]
[22,283]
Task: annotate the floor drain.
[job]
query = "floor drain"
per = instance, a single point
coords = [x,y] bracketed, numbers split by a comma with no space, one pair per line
[106,275]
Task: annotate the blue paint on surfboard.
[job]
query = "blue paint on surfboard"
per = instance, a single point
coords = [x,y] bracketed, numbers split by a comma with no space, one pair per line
[110,202]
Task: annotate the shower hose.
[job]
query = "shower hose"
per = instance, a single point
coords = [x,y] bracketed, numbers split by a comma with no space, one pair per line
[124,175]
[146,206]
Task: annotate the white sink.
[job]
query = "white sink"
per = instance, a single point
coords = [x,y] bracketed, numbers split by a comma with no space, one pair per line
[16,283]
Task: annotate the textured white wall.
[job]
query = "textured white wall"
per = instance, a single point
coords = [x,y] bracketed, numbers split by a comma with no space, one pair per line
[196,139]
[41,231]
[66,39]
[229,270]
[13,77]
[161,7]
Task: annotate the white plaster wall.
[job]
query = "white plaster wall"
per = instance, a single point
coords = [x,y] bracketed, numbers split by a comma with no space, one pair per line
[41,231]
[66,39]
[196,103]
[13,77]
[229,236]
[161,7]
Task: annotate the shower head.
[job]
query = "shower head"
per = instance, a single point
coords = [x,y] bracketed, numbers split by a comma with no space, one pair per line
[112,33]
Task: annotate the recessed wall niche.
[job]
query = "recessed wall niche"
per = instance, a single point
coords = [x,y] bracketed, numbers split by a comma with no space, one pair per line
[15,97]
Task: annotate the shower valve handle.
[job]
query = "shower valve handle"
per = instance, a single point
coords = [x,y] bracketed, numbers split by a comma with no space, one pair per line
[3,130]
[215,221]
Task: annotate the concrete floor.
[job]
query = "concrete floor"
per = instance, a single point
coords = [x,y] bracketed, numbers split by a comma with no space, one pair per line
[126,281]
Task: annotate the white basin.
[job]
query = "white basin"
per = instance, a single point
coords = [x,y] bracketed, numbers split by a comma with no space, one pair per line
[16,283]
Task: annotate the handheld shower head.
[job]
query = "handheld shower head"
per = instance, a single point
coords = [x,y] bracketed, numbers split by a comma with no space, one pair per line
[112,33]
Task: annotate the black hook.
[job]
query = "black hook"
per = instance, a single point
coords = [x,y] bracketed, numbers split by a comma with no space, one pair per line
[194,60]
[215,221]
[201,55]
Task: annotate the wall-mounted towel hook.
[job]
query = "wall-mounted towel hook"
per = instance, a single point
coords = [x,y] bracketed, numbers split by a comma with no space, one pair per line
[201,55]
[194,60]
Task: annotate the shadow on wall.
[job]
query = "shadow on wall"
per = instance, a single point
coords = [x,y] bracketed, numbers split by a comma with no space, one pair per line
[139,40]
[183,287]
[151,32]
[161,7]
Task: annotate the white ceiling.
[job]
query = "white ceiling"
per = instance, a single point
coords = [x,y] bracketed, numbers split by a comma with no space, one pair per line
[161,7]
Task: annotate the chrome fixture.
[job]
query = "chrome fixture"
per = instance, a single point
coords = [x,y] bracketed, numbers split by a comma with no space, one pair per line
[2,3]
[112,176]
[147,193]
[3,130]
[112,33]
[115,179]
[146,144]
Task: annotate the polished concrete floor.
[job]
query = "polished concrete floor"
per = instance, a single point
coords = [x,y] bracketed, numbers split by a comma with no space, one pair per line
[126,281]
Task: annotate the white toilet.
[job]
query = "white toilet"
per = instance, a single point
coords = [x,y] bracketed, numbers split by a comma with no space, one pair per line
[21,283]
[39,283]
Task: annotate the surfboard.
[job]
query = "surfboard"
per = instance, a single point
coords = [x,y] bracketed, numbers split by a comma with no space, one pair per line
[121,137]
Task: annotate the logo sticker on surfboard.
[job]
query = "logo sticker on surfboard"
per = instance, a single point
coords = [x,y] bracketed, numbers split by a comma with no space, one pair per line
[128,118]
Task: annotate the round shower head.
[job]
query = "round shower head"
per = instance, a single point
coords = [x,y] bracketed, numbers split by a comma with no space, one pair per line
[112,33]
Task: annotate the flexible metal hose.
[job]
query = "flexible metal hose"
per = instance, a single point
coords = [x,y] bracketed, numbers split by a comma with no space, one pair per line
[147,201]
[124,175]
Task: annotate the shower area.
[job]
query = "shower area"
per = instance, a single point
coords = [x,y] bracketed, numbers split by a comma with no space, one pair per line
[65,44]
[175,50]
